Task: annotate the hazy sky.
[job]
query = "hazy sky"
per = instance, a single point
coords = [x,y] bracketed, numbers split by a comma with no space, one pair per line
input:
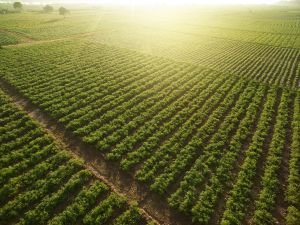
[153,1]
[180,1]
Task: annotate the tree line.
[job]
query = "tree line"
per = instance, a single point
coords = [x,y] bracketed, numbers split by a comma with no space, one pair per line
[18,6]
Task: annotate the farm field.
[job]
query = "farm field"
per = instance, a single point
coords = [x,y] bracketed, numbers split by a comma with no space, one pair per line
[43,183]
[196,110]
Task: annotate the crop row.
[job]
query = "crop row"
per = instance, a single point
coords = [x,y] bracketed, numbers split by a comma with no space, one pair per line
[6,39]
[214,156]
[292,194]
[43,184]
[260,62]
[200,138]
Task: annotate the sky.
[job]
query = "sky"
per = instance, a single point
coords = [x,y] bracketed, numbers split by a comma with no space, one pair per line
[181,1]
[153,2]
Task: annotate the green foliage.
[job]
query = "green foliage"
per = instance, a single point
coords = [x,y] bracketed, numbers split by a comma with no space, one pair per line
[202,117]
[293,215]
[130,217]
[35,172]
[6,39]
[48,8]
[63,11]
[18,5]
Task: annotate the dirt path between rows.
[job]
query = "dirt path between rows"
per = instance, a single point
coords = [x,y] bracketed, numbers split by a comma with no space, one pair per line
[153,206]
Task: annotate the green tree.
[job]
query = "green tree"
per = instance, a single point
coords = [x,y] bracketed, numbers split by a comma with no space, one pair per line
[48,8]
[18,6]
[63,11]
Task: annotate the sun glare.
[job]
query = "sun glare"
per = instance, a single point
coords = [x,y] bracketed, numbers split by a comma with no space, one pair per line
[171,2]
[183,2]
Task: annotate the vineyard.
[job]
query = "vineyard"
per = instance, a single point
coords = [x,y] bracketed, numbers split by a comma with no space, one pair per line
[207,121]
[6,39]
[42,183]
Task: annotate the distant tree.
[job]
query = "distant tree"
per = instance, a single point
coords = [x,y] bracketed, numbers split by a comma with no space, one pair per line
[63,11]
[18,5]
[3,11]
[48,8]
